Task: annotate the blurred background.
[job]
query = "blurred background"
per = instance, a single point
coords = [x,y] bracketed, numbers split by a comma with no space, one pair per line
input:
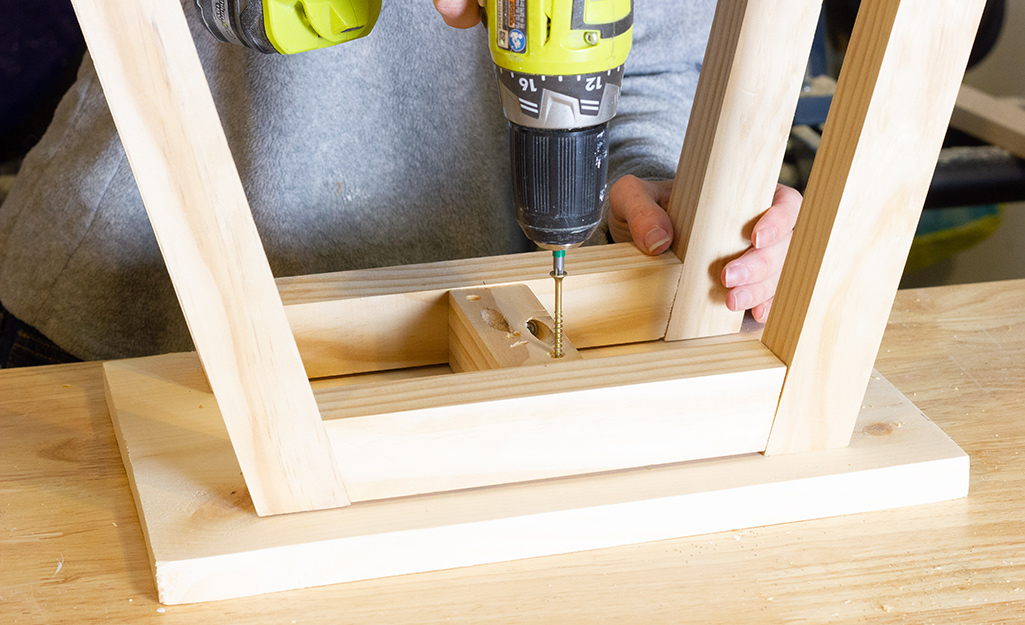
[974,214]
[41,48]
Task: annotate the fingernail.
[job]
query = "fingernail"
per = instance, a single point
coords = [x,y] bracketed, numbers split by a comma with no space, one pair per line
[656,238]
[764,237]
[736,275]
[742,299]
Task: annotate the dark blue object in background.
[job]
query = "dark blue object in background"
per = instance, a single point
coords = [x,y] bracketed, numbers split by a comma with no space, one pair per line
[40,50]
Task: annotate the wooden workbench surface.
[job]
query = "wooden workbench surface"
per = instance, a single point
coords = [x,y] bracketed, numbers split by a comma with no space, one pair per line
[71,547]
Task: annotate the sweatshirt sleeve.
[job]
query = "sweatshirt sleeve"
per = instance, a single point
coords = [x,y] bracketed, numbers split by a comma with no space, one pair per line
[661,75]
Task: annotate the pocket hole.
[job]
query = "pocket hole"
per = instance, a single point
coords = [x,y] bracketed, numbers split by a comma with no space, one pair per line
[539,329]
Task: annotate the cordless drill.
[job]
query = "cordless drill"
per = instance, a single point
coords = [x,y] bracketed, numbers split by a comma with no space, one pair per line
[559,65]
[560,68]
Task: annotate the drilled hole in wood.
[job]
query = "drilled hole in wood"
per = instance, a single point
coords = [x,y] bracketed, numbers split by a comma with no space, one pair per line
[539,329]
[496,320]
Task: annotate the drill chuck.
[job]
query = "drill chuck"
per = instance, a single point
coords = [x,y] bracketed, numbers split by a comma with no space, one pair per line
[558,136]
[560,69]
[558,179]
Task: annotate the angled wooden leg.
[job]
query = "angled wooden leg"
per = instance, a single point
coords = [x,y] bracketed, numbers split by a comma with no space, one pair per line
[503,326]
[165,115]
[745,102]
[879,148]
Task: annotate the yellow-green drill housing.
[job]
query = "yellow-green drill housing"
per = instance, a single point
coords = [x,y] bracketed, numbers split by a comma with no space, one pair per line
[297,26]
[560,38]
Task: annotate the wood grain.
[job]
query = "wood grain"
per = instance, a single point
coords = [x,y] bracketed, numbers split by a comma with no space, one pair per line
[743,109]
[414,436]
[499,327]
[165,116]
[73,548]
[868,183]
[391,317]
[207,543]
[990,119]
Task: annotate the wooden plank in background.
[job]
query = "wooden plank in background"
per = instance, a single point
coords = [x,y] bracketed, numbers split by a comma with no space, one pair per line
[743,109]
[990,119]
[165,116]
[879,148]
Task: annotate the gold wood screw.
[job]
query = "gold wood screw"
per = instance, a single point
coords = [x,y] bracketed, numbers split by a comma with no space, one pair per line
[557,351]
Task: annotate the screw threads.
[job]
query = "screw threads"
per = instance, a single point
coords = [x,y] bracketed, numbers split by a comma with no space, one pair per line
[557,348]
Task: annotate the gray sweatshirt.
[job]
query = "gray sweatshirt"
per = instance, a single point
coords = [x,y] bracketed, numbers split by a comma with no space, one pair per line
[388,150]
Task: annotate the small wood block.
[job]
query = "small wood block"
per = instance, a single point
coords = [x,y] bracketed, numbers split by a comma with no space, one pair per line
[498,327]
[207,543]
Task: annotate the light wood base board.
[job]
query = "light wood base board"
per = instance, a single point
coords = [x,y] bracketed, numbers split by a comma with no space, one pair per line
[207,543]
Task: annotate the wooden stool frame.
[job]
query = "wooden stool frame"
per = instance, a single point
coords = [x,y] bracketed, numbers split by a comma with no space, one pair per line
[510,460]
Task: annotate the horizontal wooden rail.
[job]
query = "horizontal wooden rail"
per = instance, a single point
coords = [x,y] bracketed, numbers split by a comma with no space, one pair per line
[395,317]
[500,426]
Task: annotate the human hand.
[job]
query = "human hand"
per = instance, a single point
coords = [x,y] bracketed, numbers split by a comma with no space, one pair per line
[459,13]
[638,213]
[752,277]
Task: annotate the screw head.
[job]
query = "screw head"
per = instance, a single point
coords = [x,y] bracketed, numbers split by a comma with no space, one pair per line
[592,38]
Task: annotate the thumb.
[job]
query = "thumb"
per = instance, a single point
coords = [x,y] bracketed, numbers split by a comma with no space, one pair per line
[458,13]
[636,213]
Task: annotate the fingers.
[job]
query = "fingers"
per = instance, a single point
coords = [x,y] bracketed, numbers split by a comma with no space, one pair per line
[756,266]
[753,295]
[761,311]
[779,220]
[752,278]
[458,13]
[637,213]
